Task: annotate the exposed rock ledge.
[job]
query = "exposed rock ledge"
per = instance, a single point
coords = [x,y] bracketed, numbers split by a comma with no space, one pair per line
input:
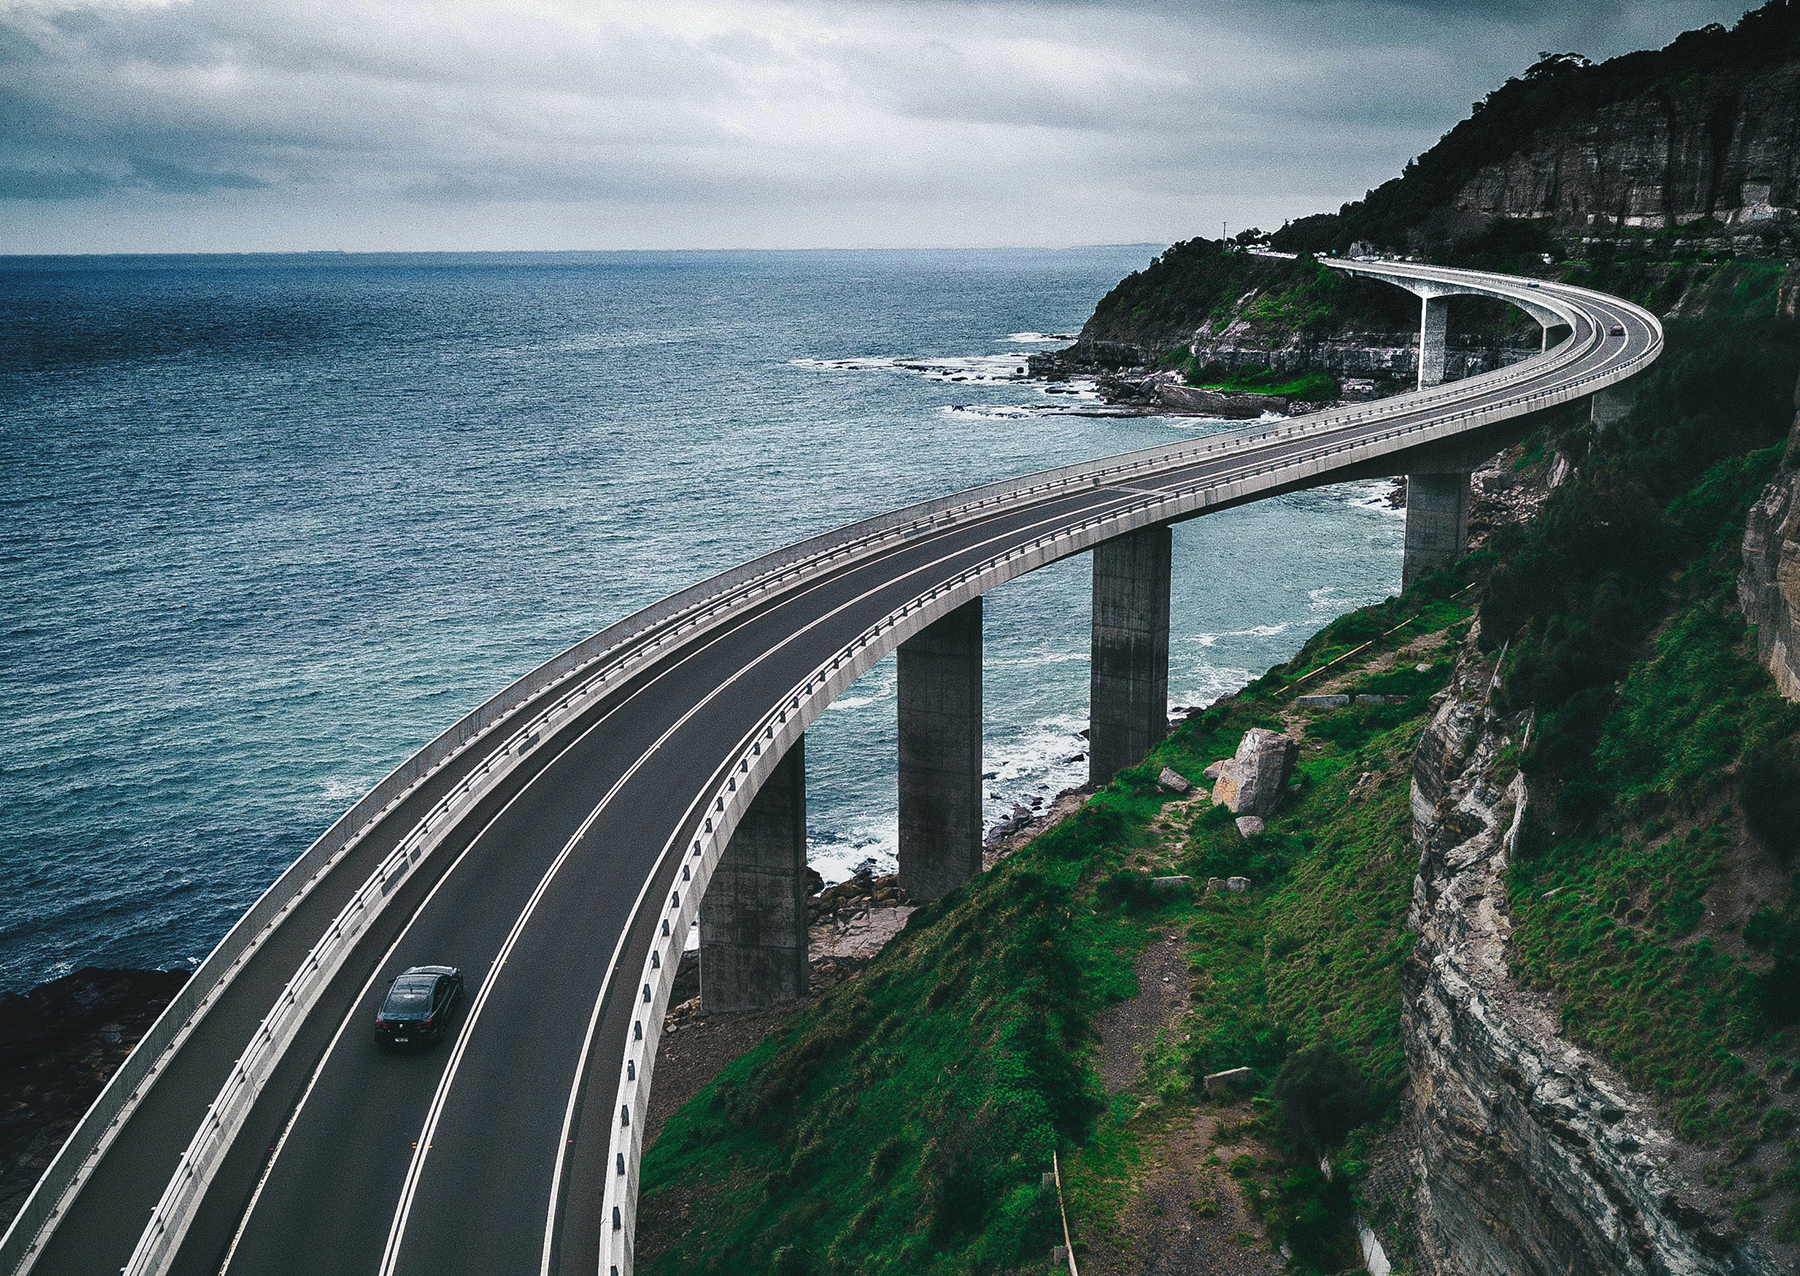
[1769,588]
[1534,1158]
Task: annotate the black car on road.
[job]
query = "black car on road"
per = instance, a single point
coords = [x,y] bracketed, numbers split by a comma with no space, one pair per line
[418,1005]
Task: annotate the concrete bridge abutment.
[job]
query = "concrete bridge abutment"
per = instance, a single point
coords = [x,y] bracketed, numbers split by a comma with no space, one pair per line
[1128,700]
[1434,318]
[1610,404]
[753,917]
[940,754]
[1437,522]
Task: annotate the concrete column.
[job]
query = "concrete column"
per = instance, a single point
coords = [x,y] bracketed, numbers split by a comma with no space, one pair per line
[940,754]
[1434,313]
[753,916]
[1128,701]
[1437,522]
[1611,403]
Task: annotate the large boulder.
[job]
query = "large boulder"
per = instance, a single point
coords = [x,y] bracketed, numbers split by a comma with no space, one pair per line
[1193,400]
[1253,782]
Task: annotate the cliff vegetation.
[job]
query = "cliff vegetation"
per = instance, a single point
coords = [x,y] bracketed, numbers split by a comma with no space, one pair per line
[905,1124]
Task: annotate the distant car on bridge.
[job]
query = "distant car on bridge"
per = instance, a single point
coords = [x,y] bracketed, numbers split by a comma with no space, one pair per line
[418,1005]
[1617,330]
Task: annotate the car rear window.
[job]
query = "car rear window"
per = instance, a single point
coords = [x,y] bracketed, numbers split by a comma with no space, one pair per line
[410,994]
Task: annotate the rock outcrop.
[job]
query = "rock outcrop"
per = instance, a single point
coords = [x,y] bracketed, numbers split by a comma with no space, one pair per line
[1769,585]
[58,1045]
[1177,399]
[1715,146]
[1534,1158]
[1252,783]
[1390,358]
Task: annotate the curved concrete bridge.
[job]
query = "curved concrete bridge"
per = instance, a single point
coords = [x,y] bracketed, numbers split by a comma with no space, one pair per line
[557,842]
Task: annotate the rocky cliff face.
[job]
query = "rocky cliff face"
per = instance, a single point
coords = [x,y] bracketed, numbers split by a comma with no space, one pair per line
[1372,355]
[1769,586]
[1534,1159]
[1375,356]
[1717,146]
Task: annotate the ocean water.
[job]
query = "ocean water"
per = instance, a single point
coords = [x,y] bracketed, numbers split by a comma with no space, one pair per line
[268,524]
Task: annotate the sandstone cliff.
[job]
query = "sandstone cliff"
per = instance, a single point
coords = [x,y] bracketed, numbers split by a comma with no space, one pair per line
[1722,146]
[1533,1157]
[1703,134]
[1769,586]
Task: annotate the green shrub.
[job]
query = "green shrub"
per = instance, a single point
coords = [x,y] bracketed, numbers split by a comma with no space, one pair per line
[1769,792]
[1322,1096]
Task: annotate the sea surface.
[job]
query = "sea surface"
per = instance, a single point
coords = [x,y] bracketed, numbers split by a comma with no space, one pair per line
[270,523]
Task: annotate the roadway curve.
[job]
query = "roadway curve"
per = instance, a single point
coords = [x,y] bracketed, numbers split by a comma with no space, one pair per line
[551,884]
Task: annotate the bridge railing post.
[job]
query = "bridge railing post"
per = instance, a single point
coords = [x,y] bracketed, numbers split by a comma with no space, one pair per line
[1128,682]
[940,754]
[753,917]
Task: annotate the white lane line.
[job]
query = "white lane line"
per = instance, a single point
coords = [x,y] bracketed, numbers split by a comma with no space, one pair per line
[350,1015]
[409,1190]
[712,640]
[388,956]
[397,1231]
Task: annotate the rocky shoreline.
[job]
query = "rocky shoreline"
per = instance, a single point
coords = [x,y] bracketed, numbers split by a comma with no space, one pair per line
[59,1043]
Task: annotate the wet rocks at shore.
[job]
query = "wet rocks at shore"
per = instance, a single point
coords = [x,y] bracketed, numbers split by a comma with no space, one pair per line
[59,1043]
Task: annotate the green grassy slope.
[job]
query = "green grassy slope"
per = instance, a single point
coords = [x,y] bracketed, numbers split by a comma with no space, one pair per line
[1199,285]
[903,1124]
[1663,762]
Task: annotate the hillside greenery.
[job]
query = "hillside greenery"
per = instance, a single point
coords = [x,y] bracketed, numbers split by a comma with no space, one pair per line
[1205,284]
[904,1122]
[1662,762]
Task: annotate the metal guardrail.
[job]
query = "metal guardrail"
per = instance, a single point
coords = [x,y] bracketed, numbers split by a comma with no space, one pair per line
[604,658]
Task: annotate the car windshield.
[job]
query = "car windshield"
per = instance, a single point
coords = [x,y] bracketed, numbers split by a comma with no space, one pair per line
[409,995]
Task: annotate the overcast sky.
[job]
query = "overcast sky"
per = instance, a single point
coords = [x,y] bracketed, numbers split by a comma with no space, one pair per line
[232,125]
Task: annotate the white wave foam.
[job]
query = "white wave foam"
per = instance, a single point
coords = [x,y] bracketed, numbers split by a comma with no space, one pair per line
[836,856]
[1255,631]
[980,369]
[1030,338]
[344,790]
[1206,683]
[1373,495]
[853,702]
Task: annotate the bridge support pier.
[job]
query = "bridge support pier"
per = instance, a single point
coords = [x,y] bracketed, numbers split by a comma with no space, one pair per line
[1434,315]
[940,754]
[753,917]
[1437,522]
[1128,688]
[1610,404]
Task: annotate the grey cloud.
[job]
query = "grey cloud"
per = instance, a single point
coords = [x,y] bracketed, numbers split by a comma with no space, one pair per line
[143,173]
[25,183]
[741,123]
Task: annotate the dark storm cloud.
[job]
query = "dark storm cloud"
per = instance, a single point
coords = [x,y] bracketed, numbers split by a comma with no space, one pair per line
[574,123]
